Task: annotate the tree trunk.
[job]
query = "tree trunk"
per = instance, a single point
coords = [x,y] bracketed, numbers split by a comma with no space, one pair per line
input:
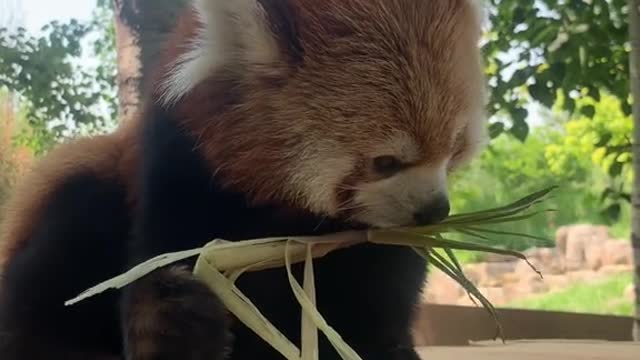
[141,27]
[129,64]
[634,33]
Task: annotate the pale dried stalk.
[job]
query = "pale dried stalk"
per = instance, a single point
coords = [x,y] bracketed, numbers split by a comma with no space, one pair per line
[308,330]
[235,258]
[343,349]
[244,309]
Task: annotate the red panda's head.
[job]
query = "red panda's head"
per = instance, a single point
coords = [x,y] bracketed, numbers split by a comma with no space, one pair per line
[355,109]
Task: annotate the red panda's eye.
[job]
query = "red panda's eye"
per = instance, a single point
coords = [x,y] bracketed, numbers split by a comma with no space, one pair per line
[387,165]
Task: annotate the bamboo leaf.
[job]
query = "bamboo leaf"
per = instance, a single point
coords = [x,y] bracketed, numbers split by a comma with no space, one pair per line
[459,271]
[343,349]
[135,273]
[244,309]
[309,332]
[518,205]
[507,233]
[471,288]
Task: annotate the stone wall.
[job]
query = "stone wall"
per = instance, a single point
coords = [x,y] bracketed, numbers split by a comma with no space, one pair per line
[582,253]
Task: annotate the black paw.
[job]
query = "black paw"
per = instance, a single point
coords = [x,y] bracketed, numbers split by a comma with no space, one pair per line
[169,315]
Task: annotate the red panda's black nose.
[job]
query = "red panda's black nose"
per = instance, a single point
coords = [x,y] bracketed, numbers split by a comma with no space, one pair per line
[433,212]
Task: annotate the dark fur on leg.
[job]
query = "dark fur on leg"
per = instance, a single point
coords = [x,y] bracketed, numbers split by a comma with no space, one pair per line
[27,347]
[75,244]
[170,315]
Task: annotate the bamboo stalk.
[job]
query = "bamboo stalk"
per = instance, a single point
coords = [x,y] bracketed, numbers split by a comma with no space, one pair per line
[235,258]
[309,331]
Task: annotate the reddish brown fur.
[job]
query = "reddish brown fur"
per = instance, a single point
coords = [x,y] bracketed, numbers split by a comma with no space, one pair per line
[152,314]
[362,79]
[108,157]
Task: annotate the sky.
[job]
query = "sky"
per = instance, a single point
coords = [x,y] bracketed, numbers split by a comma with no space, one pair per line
[37,13]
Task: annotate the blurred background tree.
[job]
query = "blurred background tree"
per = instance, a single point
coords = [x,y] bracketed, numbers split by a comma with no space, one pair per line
[140,28]
[573,56]
[557,54]
[61,98]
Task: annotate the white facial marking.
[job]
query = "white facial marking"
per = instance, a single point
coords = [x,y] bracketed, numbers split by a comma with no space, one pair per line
[233,32]
[317,176]
[394,201]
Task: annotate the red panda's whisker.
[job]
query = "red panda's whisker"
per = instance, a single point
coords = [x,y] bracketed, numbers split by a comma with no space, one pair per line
[398,202]
[362,205]
[349,188]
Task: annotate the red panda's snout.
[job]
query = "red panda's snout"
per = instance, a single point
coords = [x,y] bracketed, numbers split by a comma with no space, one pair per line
[433,212]
[416,195]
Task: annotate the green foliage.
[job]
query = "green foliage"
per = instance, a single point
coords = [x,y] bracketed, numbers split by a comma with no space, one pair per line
[602,297]
[564,54]
[104,47]
[551,155]
[61,97]
[540,49]
[598,136]
[13,158]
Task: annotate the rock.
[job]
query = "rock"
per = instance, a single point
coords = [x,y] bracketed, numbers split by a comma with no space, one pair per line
[593,254]
[555,267]
[513,292]
[536,285]
[489,274]
[583,253]
[472,272]
[440,289]
[615,269]
[617,252]
[561,239]
[542,254]
[510,278]
[526,288]
[523,271]
[578,239]
[585,276]
[495,295]
[546,260]
[555,282]
[493,258]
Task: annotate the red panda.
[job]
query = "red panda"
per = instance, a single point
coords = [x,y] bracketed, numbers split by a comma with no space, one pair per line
[265,118]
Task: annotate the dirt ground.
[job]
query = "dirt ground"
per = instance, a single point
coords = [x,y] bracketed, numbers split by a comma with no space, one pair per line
[536,350]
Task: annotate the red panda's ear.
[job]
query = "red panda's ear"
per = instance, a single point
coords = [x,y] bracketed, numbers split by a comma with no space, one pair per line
[283,22]
[235,35]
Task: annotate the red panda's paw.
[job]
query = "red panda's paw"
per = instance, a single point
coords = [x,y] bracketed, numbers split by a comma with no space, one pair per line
[170,315]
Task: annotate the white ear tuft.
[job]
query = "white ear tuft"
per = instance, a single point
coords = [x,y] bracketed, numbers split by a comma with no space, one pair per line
[233,32]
